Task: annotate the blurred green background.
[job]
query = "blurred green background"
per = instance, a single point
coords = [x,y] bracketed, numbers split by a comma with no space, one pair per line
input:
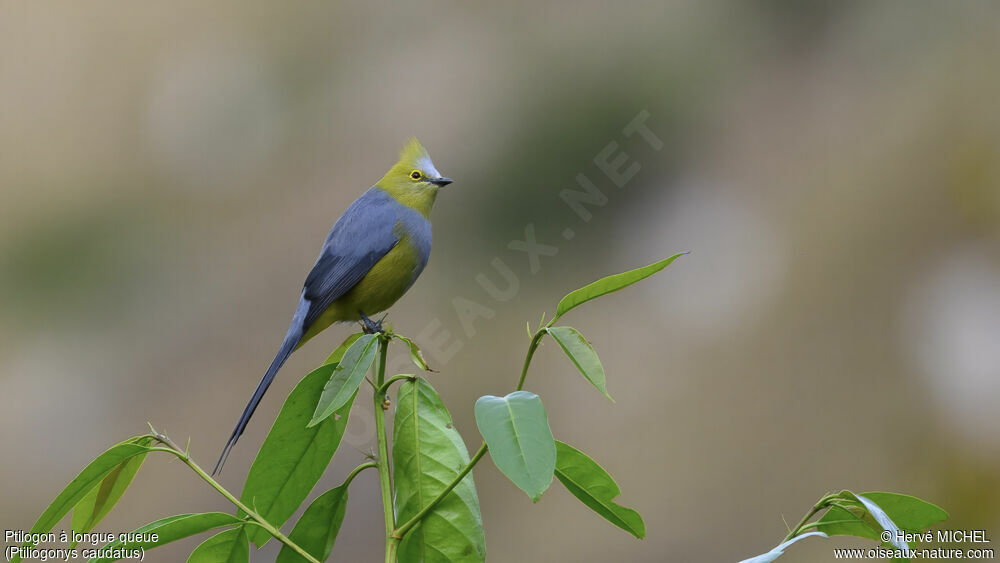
[168,172]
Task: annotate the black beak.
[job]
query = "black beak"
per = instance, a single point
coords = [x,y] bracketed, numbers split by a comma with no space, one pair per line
[441,182]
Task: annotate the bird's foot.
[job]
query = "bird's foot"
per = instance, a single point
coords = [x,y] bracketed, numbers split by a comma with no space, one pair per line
[369,326]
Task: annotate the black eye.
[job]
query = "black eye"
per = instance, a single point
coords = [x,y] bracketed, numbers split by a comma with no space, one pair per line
[416,175]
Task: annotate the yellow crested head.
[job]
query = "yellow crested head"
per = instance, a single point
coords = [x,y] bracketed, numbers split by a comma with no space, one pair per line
[413,180]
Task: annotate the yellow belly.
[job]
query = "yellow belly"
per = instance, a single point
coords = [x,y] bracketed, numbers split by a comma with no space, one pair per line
[381,287]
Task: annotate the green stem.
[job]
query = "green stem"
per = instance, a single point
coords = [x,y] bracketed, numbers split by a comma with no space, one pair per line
[802,525]
[382,461]
[399,532]
[274,531]
[390,550]
[385,386]
[827,523]
[358,469]
[535,340]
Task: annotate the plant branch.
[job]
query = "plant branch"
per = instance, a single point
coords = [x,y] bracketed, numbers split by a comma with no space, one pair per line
[385,386]
[399,532]
[390,550]
[358,469]
[257,518]
[535,340]
[382,461]
[804,523]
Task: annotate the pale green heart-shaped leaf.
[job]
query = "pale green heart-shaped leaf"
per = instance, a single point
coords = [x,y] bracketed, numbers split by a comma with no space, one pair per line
[346,377]
[610,284]
[427,455]
[294,456]
[841,522]
[170,529]
[590,483]
[230,546]
[516,429]
[868,514]
[582,354]
[316,531]
[908,512]
[876,512]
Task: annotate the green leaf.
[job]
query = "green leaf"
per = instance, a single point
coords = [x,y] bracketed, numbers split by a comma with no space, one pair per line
[427,455]
[867,514]
[909,513]
[610,284]
[906,512]
[88,479]
[338,353]
[415,354]
[346,377]
[294,457]
[230,546]
[317,529]
[516,429]
[872,516]
[839,521]
[590,483]
[881,518]
[582,354]
[101,499]
[168,530]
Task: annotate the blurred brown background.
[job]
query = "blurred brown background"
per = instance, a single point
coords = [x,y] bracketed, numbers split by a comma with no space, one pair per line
[169,170]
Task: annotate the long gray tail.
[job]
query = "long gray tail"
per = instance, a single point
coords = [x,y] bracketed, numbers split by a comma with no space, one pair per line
[287,347]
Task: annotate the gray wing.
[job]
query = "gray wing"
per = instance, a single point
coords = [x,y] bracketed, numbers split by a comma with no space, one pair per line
[360,238]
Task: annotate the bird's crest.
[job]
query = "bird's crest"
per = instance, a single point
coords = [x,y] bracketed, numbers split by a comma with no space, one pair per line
[413,154]
[413,157]
[411,179]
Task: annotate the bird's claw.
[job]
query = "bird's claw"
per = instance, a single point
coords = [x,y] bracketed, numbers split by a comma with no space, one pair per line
[369,326]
